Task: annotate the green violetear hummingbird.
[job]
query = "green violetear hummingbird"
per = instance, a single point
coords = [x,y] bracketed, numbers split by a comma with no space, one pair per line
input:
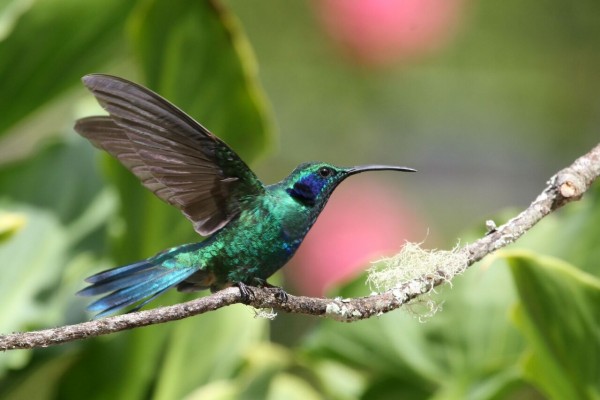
[252,230]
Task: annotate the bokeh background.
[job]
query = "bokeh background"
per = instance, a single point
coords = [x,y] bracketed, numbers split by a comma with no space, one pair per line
[486,99]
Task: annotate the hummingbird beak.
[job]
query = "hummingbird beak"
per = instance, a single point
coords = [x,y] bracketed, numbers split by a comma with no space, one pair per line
[364,168]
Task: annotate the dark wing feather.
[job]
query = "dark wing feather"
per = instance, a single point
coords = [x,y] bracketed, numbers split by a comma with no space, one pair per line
[173,155]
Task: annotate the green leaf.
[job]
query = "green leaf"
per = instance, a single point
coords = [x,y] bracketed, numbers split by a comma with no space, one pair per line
[263,363]
[10,223]
[338,380]
[195,55]
[287,386]
[264,374]
[41,381]
[559,315]
[213,343]
[167,361]
[10,11]
[217,390]
[63,179]
[466,350]
[51,46]
[31,262]
[120,366]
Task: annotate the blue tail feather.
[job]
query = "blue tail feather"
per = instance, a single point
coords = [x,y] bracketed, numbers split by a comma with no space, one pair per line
[114,273]
[130,284]
[121,281]
[129,295]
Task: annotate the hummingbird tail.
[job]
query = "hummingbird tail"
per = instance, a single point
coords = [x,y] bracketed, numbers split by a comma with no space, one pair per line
[140,283]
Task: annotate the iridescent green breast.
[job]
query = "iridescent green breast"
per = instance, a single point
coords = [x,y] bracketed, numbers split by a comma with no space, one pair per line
[259,242]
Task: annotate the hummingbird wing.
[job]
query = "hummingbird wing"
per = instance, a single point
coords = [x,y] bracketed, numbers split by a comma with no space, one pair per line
[173,155]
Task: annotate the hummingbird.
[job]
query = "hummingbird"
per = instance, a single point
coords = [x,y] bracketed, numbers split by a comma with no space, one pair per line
[251,230]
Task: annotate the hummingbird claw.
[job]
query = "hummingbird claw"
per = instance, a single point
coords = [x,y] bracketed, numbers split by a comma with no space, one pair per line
[279,293]
[245,291]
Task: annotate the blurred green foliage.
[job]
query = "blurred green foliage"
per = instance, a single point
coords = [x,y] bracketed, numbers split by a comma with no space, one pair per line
[558,308]
[523,326]
[473,347]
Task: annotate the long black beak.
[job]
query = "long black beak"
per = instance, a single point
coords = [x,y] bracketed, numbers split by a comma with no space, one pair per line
[364,168]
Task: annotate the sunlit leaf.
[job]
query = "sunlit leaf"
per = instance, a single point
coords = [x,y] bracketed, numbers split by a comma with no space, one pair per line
[10,11]
[10,223]
[287,386]
[217,390]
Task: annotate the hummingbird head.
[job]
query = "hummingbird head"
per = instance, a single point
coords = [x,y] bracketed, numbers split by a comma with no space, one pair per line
[312,183]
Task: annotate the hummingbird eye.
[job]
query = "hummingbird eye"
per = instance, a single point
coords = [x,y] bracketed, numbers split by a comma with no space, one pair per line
[325,172]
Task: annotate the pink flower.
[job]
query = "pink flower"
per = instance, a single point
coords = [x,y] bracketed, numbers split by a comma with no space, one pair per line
[378,32]
[362,221]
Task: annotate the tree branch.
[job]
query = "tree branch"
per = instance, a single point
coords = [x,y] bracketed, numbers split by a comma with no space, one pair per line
[567,185]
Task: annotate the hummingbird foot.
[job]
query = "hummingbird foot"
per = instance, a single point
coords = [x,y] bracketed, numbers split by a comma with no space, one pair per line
[279,293]
[246,292]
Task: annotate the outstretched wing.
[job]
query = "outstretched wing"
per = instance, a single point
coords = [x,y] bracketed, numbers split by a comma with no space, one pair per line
[173,155]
